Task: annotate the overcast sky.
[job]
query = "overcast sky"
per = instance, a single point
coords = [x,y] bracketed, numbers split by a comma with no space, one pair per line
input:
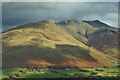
[17,13]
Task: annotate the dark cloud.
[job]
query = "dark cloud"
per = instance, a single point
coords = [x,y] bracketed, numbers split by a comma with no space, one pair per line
[16,13]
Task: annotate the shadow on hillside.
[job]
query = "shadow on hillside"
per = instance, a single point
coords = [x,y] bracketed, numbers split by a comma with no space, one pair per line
[19,55]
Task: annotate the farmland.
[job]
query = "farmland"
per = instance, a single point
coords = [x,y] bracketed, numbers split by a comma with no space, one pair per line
[60,72]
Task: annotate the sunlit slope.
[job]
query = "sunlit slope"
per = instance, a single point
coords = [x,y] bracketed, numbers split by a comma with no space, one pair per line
[44,33]
[46,43]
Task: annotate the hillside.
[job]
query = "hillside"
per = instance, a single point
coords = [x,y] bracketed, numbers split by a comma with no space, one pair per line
[48,43]
[95,34]
[105,38]
[78,29]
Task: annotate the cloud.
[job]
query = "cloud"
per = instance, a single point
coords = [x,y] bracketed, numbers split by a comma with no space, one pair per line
[16,13]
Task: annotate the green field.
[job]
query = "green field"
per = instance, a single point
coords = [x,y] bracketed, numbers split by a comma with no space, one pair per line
[0,73]
[60,73]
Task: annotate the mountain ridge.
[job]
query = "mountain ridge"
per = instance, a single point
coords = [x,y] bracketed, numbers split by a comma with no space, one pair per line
[67,21]
[97,23]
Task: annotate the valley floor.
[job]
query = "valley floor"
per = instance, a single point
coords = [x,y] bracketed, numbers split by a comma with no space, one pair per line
[75,72]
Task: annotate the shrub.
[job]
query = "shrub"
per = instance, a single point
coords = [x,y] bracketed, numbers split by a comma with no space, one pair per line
[24,72]
[93,73]
[84,70]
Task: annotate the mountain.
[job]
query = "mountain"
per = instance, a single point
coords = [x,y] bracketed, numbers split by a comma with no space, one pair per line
[46,43]
[97,24]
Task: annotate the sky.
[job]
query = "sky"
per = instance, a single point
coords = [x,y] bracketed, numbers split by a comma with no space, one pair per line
[18,13]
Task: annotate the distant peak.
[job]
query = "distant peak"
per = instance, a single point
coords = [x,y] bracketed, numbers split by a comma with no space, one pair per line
[93,21]
[97,23]
[47,21]
[69,21]
[96,20]
[74,20]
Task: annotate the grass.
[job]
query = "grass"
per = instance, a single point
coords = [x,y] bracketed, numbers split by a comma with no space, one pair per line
[72,72]
[60,73]
[39,75]
[113,63]
[0,73]
[10,70]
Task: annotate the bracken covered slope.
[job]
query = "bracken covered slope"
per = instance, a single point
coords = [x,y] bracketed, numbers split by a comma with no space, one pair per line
[106,41]
[105,38]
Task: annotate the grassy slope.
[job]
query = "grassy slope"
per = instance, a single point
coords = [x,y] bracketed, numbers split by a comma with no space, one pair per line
[79,30]
[45,43]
